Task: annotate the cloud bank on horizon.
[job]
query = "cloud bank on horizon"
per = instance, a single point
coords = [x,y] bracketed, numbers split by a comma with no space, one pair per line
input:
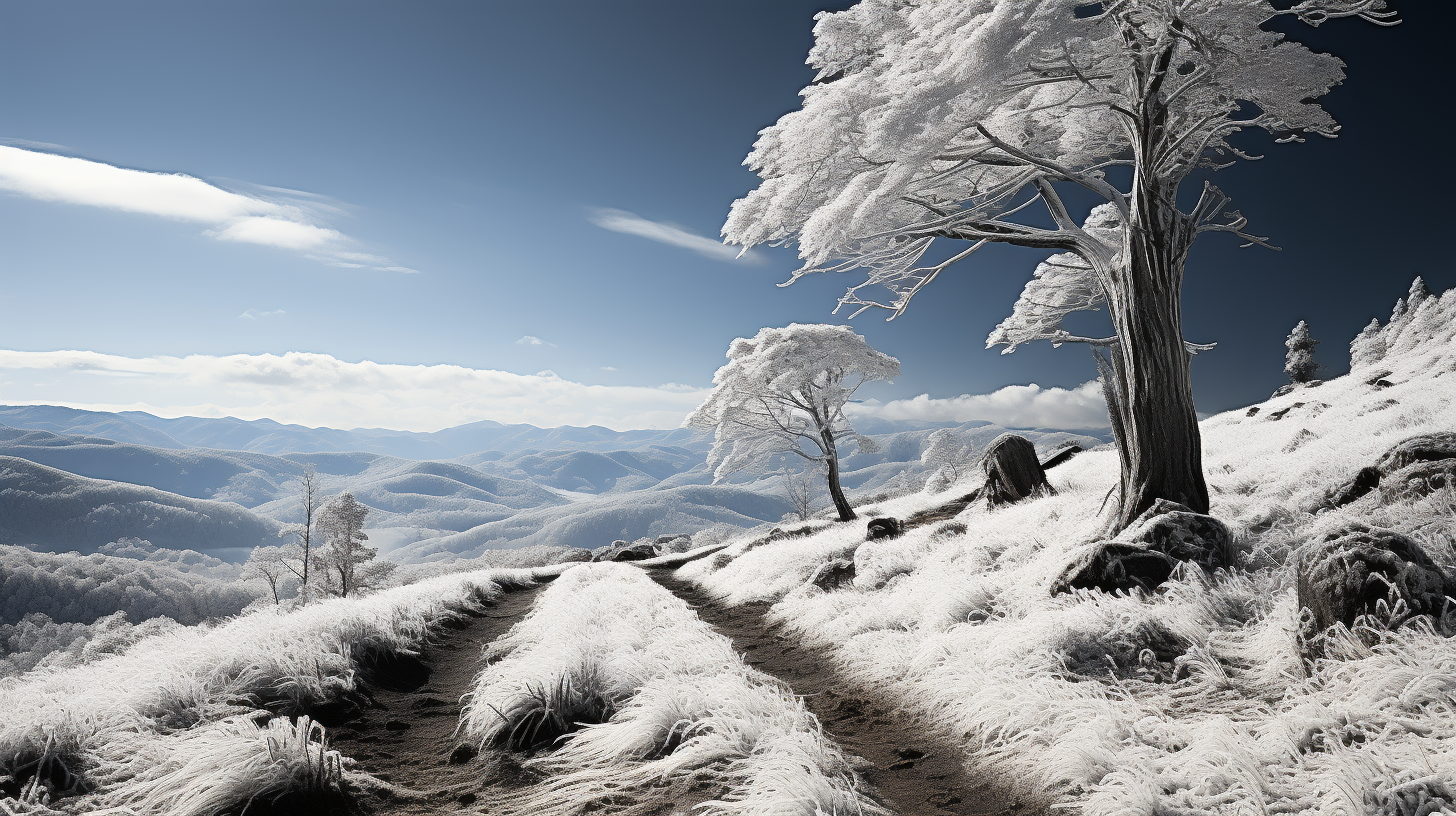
[319,390]
[228,216]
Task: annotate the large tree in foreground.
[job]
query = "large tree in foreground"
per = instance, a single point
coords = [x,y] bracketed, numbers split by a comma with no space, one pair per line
[783,392]
[966,121]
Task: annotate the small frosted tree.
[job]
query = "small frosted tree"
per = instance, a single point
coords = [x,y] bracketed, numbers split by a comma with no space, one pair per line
[350,565]
[946,453]
[1299,364]
[799,489]
[269,565]
[934,128]
[300,555]
[783,392]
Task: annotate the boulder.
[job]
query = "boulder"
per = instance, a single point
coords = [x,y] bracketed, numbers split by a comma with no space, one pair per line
[1423,448]
[834,574]
[674,544]
[1012,471]
[1412,468]
[1115,565]
[887,527]
[572,556]
[1417,480]
[1345,574]
[1146,553]
[1283,390]
[626,551]
[1181,534]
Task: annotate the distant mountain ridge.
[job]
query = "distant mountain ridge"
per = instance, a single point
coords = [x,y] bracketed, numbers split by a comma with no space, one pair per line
[228,484]
[268,436]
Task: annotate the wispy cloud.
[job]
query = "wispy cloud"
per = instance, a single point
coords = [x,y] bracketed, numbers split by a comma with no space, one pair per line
[258,314]
[1015,406]
[320,390]
[529,340]
[230,216]
[633,224]
[609,368]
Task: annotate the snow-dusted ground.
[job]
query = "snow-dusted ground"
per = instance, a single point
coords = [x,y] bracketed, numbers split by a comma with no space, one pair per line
[1192,700]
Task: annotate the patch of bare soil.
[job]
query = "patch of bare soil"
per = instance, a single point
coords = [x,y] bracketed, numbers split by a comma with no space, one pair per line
[913,772]
[406,736]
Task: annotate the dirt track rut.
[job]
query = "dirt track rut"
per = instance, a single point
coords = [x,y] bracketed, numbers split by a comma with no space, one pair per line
[408,737]
[915,773]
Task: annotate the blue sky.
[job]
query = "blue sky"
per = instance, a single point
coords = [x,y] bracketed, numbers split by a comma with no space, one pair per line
[426,186]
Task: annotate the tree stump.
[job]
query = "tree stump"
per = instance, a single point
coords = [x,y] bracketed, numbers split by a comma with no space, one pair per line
[1012,471]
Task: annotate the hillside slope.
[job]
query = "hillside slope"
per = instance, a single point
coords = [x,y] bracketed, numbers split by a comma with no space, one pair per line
[1201,697]
[59,511]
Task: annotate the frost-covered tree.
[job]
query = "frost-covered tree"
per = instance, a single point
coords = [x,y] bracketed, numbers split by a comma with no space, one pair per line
[966,121]
[946,453]
[301,555]
[350,566]
[1299,364]
[269,565]
[799,489]
[1368,346]
[783,391]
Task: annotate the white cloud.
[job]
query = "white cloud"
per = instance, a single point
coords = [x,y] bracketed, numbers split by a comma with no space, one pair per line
[232,216]
[609,368]
[320,390]
[1015,406]
[633,224]
[529,340]
[256,314]
[277,232]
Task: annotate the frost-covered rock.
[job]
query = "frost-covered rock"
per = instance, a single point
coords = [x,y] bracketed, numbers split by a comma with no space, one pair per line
[1350,570]
[887,527]
[1418,480]
[1146,553]
[834,574]
[626,551]
[1179,533]
[1422,448]
[1115,565]
[1412,468]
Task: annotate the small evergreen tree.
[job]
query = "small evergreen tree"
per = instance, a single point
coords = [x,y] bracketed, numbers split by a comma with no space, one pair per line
[348,565]
[1299,363]
[1368,346]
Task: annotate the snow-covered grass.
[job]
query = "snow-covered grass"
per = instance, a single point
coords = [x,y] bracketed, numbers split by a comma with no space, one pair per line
[680,709]
[1192,700]
[168,725]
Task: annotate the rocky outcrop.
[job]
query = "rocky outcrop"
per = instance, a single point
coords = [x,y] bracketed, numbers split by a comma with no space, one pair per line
[1348,572]
[626,551]
[1147,552]
[1413,468]
[1012,471]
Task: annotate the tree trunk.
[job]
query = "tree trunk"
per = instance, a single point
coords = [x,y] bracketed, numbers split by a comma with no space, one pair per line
[1154,421]
[831,458]
[1012,471]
